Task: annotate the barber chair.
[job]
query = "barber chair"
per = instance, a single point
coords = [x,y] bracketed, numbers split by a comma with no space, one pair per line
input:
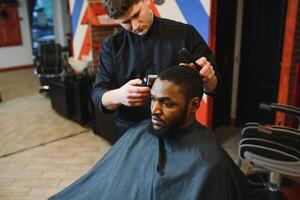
[61,98]
[105,126]
[49,65]
[71,98]
[273,150]
[80,104]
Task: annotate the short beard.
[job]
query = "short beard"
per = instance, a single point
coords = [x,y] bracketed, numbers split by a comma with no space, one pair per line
[162,132]
[167,131]
[180,120]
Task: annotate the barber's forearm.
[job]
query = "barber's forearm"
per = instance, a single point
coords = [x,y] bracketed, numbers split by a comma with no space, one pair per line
[210,86]
[110,100]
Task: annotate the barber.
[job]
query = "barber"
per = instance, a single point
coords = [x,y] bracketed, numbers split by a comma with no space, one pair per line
[146,45]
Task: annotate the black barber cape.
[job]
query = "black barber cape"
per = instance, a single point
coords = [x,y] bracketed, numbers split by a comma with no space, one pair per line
[141,165]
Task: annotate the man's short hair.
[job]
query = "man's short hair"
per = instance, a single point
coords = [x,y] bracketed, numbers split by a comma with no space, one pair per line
[185,77]
[117,8]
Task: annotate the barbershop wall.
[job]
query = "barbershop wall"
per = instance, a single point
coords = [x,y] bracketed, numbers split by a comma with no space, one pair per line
[195,12]
[20,55]
[61,22]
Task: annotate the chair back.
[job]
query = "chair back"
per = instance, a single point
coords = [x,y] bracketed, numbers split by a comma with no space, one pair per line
[281,146]
[50,56]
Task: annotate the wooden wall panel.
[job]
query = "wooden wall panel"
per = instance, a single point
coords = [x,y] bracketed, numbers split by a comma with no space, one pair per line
[10,31]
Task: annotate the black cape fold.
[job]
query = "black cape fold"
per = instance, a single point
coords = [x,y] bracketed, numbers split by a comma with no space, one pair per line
[189,164]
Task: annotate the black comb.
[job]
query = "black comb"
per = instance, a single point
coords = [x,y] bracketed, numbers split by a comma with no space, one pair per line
[188,58]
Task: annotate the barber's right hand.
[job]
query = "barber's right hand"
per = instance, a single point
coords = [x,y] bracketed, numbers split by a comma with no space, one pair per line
[132,94]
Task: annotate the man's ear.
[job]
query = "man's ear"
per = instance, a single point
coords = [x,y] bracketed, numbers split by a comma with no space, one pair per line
[194,104]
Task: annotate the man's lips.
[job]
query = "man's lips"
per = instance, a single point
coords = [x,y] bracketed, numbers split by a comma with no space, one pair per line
[140,30]
[156,121]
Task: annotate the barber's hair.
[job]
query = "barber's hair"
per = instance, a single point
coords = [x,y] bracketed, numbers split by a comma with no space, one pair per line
[185,77]
[117,8]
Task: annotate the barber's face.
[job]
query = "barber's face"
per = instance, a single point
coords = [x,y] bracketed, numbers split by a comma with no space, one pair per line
[138,19]
[169,108]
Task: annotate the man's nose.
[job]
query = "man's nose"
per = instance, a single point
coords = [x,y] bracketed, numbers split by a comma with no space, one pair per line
[135,25]
[156,109]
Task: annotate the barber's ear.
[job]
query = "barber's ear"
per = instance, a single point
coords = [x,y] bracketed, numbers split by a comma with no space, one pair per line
[147,2]
[194,104]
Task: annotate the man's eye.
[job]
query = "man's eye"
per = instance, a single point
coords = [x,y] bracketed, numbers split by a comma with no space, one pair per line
[136,15]
[167,104]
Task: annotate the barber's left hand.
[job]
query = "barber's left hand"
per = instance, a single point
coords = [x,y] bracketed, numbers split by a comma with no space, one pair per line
[207,71]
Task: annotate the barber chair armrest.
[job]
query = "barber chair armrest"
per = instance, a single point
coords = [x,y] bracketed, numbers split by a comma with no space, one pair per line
[62,75]
[251,124]
[35,72]
[280,131]
[282,167]
[292,110]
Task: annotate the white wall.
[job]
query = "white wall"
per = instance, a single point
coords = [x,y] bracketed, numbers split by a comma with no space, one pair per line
[61,21]
[12,56]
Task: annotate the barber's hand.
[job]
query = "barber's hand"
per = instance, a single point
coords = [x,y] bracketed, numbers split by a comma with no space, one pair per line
[207,71]
[132,94]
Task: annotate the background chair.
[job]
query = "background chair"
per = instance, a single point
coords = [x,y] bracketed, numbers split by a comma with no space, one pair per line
[274,149]
[287,109]
[49,65]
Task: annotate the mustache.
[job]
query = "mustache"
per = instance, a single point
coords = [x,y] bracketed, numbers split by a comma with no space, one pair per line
[136,30]
[139,29]
[157,118]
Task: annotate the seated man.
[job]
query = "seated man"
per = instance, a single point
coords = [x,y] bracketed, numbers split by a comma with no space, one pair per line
[171,156]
